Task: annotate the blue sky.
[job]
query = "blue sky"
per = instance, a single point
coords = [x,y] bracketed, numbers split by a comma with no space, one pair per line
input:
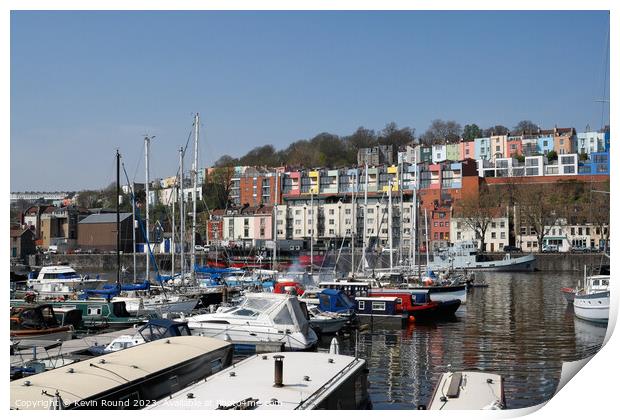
[85,83]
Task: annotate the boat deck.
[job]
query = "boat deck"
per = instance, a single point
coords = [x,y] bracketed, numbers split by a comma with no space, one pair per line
[28,350]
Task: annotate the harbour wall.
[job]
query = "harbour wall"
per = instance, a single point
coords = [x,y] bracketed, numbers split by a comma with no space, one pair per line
[107,262]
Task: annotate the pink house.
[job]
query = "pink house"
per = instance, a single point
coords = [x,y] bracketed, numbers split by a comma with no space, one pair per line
[467,150]
[513,147]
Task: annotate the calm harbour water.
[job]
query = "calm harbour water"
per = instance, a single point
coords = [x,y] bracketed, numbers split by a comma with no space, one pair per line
[519,327]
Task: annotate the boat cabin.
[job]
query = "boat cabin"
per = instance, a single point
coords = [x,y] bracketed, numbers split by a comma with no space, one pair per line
[157,329]
[289,287]
[405,299]
[332,300]
[351,288]
[382,306]
[33,317]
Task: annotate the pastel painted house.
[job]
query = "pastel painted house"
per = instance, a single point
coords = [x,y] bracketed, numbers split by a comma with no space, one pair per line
[482,149]
[453,152]
[467,150]
[439,153]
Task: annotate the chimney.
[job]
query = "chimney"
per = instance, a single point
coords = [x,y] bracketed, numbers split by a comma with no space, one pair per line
[279,371]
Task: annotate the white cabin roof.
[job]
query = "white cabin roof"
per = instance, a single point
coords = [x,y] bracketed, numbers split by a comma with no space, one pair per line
[85,381]
[474,392]
[254,378]
[381,298]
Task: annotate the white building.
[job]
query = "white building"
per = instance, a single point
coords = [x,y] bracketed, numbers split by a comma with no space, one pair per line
[439,153]
[496,236]
[565,237]
[590,142]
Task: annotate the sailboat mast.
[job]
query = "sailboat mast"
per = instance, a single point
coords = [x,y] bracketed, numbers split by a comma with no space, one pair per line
[275,223]
[311,231]
[426,235]
[182,213]
[194,196]
[118,218]
[147,142]
[390,224]
[353,223]
[400,216]
[365,234]
[174,229]
[133,230]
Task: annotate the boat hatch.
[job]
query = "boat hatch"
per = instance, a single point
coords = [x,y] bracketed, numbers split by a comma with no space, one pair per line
[455,385]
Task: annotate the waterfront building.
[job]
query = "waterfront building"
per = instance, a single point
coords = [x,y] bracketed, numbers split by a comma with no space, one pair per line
[247,225]
[545,144]
[98,232]
[589,142]
[564,236]
[22,243]
[514,146]
[529,145]
[32,218]
[597,164]
[59,226]
[495,238]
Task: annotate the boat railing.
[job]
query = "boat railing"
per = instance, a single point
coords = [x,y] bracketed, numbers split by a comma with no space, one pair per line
[317,394]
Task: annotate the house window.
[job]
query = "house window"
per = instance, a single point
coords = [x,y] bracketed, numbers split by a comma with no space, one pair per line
[378,306]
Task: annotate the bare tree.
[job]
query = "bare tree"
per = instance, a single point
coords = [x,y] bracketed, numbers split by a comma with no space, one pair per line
[541,207]
[478,211]
[442,131]
[526,127]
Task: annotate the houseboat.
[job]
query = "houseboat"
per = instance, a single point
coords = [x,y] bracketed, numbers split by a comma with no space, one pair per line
[259,318]
[418,303]
[126,379]
[468,391]
[290,381]
[382,310]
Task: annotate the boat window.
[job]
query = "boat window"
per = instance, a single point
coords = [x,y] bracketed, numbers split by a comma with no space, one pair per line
[120,310]
[605,282]
[378,306]
[324,301]
[283,317]
[93,310]
[298,313]
[361,305]
[216,365]
[595,283]
[246,312]
[258,304]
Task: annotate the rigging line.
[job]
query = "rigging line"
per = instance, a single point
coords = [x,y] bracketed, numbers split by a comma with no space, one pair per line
[605,66]
[135,175]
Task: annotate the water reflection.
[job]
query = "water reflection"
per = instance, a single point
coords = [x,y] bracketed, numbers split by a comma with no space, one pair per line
[519,327]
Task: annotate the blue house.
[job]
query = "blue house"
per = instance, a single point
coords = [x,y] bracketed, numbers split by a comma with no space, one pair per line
[545,144]
[482,148]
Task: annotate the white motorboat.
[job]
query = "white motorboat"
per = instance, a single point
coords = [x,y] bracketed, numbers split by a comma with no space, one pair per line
[59,280]
[464,256]
[592,302]
[259,318]
[468,391]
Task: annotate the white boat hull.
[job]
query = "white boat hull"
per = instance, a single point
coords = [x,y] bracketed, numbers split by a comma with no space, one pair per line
[327,325]
[239,334]
[468,391]
[593,307]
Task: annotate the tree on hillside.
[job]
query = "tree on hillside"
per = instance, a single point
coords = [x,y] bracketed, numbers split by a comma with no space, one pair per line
[395,136]
[442,131]
[471,131]
[89,199]
[216,188]
[226,160]
[526,126]
[261,156]
[496,130]
[478,211]
[541,208]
